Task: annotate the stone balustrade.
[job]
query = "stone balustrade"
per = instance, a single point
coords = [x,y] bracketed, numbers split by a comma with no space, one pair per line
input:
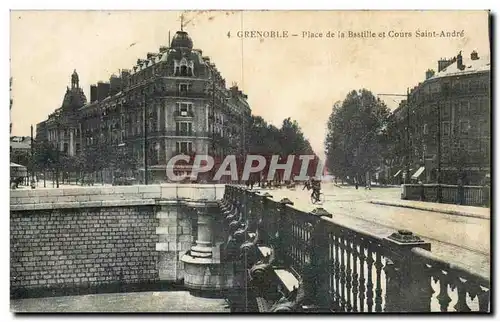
[319,264]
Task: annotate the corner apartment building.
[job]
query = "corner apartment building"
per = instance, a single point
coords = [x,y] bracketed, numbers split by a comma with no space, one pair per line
[450,109]
[175,99]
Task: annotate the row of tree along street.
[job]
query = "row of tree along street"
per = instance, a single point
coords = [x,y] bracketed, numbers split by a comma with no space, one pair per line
[88,165]
[357,138]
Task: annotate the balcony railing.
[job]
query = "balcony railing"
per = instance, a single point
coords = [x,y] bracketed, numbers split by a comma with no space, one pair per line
[178,93]
[183,114]
[155,133]
[339,268]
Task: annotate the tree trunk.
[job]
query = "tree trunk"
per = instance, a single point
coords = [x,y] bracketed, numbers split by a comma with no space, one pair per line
[44,178]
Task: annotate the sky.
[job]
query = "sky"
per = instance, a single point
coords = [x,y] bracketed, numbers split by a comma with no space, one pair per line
[293,77]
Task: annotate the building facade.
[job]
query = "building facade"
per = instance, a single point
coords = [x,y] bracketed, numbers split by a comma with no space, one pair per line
[444,125]
[174,101]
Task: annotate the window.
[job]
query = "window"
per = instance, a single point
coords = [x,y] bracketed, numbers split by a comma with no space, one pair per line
[424,130]
[157,152]
[464,108]
[183,68]
[446,110]
[183,128]
[483,128]
[446,128]
[483,105]
[185,109]
[474,106]
[464,127]
[445,150]
[66,148]
[184,147]
[184,89]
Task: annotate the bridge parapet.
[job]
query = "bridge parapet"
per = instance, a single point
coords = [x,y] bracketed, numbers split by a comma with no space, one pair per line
[343,268]
[77,240]
[82,197]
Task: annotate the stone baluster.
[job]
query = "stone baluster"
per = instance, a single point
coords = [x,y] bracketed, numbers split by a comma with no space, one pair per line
[369,282]
[355,276]
[203,247]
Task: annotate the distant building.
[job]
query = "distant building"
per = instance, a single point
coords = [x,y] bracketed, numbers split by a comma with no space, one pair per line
[188,109]
[456,97]
[20,149]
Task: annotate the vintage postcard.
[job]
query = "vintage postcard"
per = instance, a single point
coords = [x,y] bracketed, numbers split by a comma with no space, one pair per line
[250,161]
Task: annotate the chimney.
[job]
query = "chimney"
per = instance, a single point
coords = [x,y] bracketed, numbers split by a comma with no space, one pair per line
[102,90]
[474,55]
[125,73]
[460,64]
[93,93]
[115,85]
[429,73]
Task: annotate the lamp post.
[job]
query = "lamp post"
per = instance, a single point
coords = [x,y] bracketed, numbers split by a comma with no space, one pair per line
[58,127]
[145,138]
[120,156]
[32,161]
[439,194]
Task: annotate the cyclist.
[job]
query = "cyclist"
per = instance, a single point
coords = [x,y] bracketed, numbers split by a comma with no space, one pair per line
[316,187]
[307,184]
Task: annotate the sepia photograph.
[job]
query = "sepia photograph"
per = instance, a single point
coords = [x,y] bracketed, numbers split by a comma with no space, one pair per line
[250,161]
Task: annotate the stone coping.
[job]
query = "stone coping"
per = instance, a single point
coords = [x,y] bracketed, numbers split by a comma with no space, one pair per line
[107,203]
[201,192]
[85,190]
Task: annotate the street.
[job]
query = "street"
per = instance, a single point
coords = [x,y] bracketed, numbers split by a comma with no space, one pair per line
[461,240]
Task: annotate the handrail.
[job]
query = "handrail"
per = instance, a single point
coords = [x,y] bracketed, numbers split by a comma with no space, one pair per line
[438,262]
[357,230]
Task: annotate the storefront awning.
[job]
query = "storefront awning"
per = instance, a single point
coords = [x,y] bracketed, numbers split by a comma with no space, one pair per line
[418,173]
[397,173]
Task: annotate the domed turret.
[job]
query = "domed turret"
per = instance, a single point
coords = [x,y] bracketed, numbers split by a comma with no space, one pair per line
[182,40]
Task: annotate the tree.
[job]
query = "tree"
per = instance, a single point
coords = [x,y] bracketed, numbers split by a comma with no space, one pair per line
[95,158]
[356,134]
[45,158]
[267,140]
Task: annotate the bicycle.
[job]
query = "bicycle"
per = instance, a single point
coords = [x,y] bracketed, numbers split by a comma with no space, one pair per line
[320,198]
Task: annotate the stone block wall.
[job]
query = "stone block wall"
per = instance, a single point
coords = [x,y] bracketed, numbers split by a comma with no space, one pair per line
[175,238]
[82,247]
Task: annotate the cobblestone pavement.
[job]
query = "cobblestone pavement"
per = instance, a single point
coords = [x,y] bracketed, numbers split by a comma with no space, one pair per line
[177,301]
[458,239]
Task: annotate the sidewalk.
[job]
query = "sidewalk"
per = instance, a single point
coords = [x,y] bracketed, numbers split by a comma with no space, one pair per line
[457,210]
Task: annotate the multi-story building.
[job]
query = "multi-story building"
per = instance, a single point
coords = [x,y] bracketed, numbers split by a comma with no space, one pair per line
[457,98]
[175,100]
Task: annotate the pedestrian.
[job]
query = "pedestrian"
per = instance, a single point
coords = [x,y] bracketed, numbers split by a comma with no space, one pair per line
[422,191]
[460,199]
